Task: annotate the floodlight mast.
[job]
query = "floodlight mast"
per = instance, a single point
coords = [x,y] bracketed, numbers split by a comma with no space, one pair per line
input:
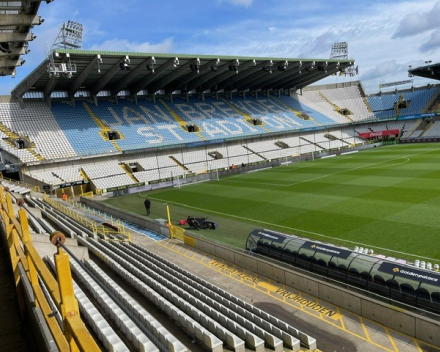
[70,36]
[340,51]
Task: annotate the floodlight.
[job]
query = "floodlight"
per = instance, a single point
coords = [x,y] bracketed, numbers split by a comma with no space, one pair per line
[233,68]
[283,67]
[124,66]
[99,59]
[194,68]
[214,68]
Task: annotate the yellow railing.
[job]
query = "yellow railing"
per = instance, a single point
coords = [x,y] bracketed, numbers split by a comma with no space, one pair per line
[73,336]
[121,234]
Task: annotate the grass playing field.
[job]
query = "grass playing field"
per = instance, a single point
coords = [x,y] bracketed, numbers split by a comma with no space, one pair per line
[386,199]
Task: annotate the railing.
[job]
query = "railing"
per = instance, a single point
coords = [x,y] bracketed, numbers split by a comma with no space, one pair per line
[115,229]
[73,335]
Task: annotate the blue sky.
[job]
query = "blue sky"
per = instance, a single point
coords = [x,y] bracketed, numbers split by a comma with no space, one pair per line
[384,37]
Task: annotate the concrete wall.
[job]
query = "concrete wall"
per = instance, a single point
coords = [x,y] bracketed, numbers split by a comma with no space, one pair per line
[133,218]
[409,323]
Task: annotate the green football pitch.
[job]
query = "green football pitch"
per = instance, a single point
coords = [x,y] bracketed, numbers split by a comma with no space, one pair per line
[386,199]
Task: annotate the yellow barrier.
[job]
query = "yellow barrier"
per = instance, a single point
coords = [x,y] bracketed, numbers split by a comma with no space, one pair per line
[87,194]
[121,234]
[177,232]
[75,337]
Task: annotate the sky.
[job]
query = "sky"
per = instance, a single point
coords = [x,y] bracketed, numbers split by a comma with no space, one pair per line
[384,37]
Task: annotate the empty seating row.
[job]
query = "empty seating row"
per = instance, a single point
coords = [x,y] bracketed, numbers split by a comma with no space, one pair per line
[176,312]
[110,340]
[289,333]
[130,329]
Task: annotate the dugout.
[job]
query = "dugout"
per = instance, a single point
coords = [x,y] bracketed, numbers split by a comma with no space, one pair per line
[391,279]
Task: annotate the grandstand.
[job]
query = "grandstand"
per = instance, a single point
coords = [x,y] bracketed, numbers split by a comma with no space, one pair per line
[125,122]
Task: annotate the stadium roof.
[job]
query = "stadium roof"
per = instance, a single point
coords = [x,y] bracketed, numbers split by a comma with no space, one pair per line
[71,71]
[16,21]
[429,71]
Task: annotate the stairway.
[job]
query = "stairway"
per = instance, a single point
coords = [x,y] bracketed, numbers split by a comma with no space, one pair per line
[364,97]
[13,136]
[179,120]
[337,108]
[427,128]
[127,170]
[401,98]
[415,128]
[311,142]
[247,117]
[178,163]
[104,129]
[253,151]
[296,112]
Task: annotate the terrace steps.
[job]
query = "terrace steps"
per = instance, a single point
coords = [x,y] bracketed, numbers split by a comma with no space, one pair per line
[104,130]
[127,170]
[247,117]
[337,108]
[256,153]
[183,124]
[311,142]
[296,112]
[427,128]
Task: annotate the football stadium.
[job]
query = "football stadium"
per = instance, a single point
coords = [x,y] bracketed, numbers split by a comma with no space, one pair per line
[204,202]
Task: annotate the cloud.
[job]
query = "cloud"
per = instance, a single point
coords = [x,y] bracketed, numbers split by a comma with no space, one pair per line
[384,69]
[245,3]
[125,45]
[416,23]
[433,44]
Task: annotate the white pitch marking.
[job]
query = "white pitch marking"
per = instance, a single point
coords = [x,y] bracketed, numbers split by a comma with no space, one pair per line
[296,229]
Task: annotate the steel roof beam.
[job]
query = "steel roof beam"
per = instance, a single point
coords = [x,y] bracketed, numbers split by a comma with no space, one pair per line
[198,81]
[280,83]
[182,81]
[50,86]
[271,79]
[101,82]
[26,84]
[159,84]
[125,80]
[79,80]
[226,78]
[145,81]
[245,75]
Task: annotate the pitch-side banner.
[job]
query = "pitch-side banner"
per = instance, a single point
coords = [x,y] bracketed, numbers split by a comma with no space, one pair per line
[408,272]
[379,133]
[392,84]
